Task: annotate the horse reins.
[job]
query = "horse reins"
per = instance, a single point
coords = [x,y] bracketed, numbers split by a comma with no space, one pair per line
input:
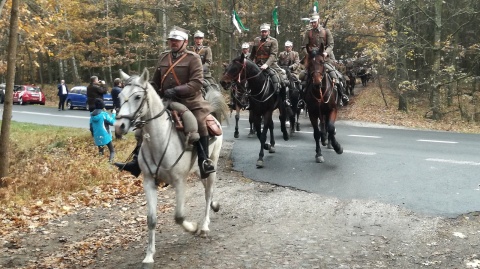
[141,124]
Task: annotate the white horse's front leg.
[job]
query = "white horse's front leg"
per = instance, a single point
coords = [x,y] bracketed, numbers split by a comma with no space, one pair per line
[190,227]
[150,190]
[208,185]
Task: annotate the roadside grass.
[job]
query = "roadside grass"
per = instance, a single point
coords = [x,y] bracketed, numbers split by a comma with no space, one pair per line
[369,106]
[59,166]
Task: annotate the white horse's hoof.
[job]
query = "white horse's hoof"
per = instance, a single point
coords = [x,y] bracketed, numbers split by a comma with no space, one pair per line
[190,227]
[204,234]
[272,149]
[215,206]
[259,164]
[319,159]
[147,265]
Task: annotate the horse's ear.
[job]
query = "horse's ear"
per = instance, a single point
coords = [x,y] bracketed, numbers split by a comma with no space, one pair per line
[242,57]
[123,75]
[145,75]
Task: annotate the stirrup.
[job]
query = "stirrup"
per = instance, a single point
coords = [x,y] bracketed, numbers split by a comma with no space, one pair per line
[206,168]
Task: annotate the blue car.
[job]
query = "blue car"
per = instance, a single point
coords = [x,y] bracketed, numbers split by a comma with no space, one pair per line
[77,97]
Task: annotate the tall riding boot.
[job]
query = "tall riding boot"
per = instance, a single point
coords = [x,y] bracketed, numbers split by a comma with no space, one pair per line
[344,97]
[131,166]
[204,163]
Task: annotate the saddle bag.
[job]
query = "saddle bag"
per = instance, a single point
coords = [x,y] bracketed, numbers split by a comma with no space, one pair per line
[212,125]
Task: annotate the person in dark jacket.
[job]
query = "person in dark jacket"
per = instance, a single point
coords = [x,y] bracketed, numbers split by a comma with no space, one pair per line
[95,90]
[62,94]
[100,121]
[117,88]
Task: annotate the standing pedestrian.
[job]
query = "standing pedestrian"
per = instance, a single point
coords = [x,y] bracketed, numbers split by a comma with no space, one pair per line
[117,88]
[95,90]
[100,122]
[62,94]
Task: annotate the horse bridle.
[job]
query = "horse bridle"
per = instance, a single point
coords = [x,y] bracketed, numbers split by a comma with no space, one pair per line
[240,81]
[321,99]
[140,124]
[238,77]
[135,115]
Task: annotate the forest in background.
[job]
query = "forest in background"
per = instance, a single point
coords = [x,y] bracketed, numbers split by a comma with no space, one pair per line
[420,48]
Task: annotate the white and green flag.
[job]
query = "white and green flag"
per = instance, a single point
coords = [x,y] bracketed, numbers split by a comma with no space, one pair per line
[238,22]
[275,19]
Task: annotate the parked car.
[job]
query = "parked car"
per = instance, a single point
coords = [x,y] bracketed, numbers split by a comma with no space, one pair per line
[2,93]
[28,94]
[77,97]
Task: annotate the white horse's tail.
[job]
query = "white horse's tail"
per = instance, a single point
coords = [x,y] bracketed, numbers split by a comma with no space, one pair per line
[218,103]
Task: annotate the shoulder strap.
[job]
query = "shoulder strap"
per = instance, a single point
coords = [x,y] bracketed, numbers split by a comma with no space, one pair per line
[171,69]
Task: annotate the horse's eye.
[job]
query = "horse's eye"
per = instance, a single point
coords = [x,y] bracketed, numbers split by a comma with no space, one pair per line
[138,97]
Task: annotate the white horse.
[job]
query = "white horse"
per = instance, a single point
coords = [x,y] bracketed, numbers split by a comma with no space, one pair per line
[162,157]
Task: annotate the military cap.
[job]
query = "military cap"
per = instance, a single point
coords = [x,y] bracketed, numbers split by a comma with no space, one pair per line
[178,33]
[315,17]
[265,27]
[199,33]
[245,45]
[288,44]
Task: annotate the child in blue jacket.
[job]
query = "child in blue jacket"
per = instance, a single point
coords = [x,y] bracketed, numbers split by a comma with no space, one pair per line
[100,121]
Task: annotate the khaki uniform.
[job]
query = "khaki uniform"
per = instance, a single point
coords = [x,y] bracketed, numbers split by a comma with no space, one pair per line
[205,54]
[265,52]
[290,59]
[317,36]
[186,77]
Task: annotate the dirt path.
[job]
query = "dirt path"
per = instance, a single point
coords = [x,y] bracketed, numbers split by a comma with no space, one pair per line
[258,226]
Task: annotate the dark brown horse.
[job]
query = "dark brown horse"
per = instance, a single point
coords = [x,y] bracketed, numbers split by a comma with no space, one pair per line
[238,102]
[321,99]
[262,98]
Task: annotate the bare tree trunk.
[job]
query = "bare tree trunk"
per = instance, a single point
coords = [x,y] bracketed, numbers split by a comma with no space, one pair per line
[7,108]
[40,70]
[435,88]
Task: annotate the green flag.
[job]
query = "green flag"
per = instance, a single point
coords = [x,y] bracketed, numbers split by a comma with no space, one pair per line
[238,22]
[315,7]
[275,18]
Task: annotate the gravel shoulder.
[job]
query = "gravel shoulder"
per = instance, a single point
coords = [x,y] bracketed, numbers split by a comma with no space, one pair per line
[258,226]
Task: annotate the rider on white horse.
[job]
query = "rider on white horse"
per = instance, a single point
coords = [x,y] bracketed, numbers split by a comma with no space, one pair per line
[178,77]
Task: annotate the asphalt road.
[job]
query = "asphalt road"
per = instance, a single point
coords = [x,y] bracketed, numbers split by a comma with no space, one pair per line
[429,172]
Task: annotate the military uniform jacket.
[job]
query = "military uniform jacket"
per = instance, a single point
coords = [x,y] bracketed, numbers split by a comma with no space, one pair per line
[205,54]
[316,36]
[289,59]
[265,52]
[186,77]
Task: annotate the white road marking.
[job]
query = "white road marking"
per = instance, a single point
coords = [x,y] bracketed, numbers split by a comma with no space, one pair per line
[52,115]
[366,136]
[437,141]
[452,161]
[360,152]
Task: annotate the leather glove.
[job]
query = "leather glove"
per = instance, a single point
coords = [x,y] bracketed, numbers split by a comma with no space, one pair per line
[291,67]
[169,93]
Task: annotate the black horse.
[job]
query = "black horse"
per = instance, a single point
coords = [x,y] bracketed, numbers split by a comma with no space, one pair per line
[321,99]
[263,100]
[296,100]
[239,101]
[351,83]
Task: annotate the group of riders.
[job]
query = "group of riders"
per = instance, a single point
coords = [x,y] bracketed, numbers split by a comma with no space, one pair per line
[183,75]
[286,69]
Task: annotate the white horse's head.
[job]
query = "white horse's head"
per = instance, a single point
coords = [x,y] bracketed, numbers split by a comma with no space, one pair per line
[134,101]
